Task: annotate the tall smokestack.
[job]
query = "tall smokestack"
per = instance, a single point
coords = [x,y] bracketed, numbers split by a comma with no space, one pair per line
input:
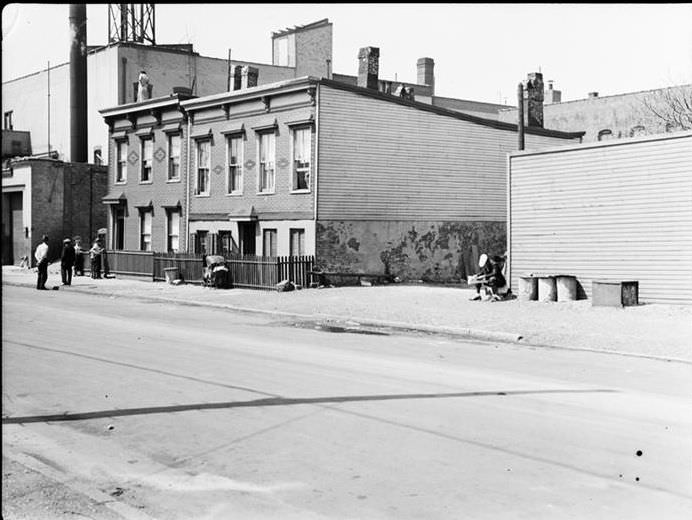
[78,84]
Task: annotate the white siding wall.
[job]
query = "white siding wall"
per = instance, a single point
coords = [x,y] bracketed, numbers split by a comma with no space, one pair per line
[384,161]
[621,210]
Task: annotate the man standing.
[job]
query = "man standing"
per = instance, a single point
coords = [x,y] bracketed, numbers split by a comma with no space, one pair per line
[41,256]
[67,261]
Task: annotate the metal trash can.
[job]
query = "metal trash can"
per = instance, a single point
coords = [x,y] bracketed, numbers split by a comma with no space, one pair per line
[528,288]
[547,291]
[172,273]
[566,287]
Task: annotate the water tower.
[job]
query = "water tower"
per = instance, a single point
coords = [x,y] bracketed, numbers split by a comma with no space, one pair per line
[131,23]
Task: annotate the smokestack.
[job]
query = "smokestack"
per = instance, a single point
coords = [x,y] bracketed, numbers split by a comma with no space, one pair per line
[78,84]
[534,91]
[368,67]
[426,72]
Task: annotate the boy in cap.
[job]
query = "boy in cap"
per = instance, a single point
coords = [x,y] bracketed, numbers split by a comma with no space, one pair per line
[67,261]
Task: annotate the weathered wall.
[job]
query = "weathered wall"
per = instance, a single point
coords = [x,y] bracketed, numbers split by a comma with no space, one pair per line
[621,114]
[47,195]
[438,251]
[83,212]
[313,49]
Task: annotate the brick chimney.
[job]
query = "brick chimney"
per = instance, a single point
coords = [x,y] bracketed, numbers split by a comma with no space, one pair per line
[237,77]
[426,72]
[249,77]
[552,95]
[593,94]
[534,97]
[368,67]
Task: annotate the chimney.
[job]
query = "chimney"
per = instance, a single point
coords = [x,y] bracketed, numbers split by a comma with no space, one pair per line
[593,94]
[248,77]
[78,84]
[552,95]
[534,96]
[426,72]
[368,67]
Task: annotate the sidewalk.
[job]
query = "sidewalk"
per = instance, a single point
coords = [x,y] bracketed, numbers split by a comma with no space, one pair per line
[654,330]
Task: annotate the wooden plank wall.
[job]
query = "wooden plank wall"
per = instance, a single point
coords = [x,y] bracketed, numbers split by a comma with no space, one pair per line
[615,210]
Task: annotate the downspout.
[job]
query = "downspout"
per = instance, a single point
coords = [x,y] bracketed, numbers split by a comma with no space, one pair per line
[187,184]
[317,161]
[509,220]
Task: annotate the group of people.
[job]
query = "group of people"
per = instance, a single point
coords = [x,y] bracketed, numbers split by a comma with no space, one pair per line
[71,258]
[490,280]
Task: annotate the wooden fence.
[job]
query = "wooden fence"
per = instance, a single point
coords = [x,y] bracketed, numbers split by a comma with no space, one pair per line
[247,271]
[190,266]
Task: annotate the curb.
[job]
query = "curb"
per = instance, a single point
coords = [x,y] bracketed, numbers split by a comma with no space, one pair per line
[466,333]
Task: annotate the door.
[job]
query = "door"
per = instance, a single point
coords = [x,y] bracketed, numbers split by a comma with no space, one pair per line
[14,241]
[246,230]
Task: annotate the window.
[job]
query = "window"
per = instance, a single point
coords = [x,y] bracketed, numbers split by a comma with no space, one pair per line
[269,242]
[145,230]
[201,242]
[301,158]
[282,48]
[203,166]
[147,159]
[9,124]
[121,164]
[173,227]
[234,182]
[267,145]
[174,157]
[297,242]
[604,135]
[226,244]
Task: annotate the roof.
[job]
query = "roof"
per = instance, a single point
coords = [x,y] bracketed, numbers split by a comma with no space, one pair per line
[297,28]
[147,104]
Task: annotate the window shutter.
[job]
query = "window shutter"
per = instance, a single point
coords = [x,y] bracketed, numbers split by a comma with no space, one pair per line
[192,246]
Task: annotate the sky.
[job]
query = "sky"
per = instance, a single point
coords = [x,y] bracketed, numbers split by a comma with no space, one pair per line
[481,51]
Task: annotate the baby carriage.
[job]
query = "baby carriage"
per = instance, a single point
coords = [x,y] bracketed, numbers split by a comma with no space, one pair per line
[216,273]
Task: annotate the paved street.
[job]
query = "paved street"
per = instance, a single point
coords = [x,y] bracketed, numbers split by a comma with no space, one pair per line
[157,410]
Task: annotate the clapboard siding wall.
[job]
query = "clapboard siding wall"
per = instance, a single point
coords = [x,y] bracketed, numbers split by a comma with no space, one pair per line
[616,210]
[385,161]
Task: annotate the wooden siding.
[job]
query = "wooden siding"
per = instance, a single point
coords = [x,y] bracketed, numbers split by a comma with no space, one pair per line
[385,161]
[622,210]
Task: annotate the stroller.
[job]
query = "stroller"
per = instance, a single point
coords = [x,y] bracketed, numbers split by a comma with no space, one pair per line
[216,273]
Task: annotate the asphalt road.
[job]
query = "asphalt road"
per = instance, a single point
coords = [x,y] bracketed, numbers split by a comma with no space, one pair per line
[152,410]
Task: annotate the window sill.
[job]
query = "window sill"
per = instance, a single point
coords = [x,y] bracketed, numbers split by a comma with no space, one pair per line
[266,193]
[235,194]
[202,195]
[146,182]
[298,192]
[172,181]
[120,182]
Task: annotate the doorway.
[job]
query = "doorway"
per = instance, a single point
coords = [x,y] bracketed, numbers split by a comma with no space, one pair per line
[246,232]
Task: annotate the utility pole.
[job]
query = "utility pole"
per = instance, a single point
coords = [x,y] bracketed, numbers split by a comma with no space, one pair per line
[520,114]
[49,109]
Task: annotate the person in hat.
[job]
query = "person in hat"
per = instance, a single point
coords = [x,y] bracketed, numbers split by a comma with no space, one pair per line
[41,256]
[78,257]
[67,259]
[491,276]
[95,256]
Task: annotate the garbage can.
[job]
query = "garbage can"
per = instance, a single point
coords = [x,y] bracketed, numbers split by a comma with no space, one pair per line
[528,288]
[172,273]
[546,289]
[566,288]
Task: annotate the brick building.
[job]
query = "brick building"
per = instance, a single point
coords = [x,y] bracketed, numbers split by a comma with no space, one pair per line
[610,117]
[366,180]
[49,197]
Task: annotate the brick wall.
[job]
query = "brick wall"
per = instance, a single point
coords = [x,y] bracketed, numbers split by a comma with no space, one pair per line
[47,193]
[431,251]
[84,214]
[313,49]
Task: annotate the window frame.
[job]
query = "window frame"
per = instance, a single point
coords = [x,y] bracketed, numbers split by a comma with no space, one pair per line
[301,241]
[144,141]
[198,143]
[143,212]
[273,233]
[169,213]
[169,157]
[260,164]
[121,146]
[240,137]
[309,128]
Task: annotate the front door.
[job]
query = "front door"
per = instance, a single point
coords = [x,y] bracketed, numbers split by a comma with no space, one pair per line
[246,230]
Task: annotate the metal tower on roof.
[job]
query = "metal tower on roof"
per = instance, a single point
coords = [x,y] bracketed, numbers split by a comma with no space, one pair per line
[131,23]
